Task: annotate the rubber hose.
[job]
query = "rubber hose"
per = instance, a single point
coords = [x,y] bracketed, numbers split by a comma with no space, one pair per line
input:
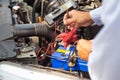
[36,29]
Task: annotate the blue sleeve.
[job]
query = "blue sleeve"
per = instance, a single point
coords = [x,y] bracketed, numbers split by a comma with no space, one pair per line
[95,15]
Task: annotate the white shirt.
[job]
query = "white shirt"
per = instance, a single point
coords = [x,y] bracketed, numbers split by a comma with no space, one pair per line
[104,61]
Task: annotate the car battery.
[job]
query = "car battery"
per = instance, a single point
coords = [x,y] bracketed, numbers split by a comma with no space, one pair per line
[60,59]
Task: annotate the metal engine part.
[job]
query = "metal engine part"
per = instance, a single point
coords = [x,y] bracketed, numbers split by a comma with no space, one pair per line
[14,71]
[20,17]
[57,14]
[6,46]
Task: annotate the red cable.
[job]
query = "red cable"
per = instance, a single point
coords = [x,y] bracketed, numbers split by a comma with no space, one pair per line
[40,49]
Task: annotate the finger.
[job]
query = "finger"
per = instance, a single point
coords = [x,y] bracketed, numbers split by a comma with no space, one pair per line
[68,15]
[69,21]
[65,17]
[82,54]
[79,44]
[71,28]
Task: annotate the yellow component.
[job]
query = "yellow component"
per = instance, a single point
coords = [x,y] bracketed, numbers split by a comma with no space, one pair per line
[64,7]
[61,50]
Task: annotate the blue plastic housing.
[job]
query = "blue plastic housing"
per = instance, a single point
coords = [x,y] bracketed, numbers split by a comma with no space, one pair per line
[60,60]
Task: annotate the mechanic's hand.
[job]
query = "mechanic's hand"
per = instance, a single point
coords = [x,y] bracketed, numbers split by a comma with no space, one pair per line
[84,48]
[76,18]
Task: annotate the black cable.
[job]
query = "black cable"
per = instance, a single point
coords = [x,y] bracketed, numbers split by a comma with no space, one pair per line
[33,11]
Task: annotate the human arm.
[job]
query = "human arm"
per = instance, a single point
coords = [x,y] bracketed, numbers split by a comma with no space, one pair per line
[95,15]
[81,18]
[77,18]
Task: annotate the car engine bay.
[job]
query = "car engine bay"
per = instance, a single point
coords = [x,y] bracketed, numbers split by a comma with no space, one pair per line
[29,30]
